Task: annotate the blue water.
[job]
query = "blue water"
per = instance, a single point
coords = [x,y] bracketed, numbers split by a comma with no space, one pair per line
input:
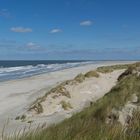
[10,70]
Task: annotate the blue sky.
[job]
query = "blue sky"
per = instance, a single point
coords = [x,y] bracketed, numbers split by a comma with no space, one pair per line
[70,29]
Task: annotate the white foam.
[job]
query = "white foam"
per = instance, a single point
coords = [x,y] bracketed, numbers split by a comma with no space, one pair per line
[30,70]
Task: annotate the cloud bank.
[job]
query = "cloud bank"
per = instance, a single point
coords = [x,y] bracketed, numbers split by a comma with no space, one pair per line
[21,29]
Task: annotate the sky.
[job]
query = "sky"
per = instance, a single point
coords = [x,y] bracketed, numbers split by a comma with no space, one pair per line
[69,29]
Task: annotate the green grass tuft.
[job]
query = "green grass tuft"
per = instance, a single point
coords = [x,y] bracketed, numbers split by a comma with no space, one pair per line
[79,78]
[92,74]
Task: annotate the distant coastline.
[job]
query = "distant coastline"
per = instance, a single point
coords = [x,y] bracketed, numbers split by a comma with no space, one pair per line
[18,69]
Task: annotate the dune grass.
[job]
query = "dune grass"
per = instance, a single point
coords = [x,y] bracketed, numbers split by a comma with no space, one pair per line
[61,90]
[90,124]
[38,108]
[79,78]
[107,69]
[65,105]
[92,74]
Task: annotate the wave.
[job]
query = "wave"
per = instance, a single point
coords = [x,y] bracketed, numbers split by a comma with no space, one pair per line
[10,73]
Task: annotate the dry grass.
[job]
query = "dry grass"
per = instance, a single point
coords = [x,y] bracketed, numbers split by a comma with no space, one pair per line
[22,117]
[66,105]
[61,91]
[37,107]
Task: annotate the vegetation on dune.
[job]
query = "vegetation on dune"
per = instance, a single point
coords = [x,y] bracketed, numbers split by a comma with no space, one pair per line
[38,108]
[79,78]
[91,123]
[107,69]
[92,74]
[129,71]
[65,105]
[23,117]
[68,82]
[61,90]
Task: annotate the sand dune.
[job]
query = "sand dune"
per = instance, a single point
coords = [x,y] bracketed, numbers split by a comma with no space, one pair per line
[17,95]
[80,95]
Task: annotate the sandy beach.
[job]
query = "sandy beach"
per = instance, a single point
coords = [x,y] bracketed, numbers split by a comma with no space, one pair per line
[17,95]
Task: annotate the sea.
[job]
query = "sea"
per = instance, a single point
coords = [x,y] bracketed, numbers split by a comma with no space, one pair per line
[17,69]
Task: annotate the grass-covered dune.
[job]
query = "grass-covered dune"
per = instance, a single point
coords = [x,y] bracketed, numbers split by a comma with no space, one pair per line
[102,120]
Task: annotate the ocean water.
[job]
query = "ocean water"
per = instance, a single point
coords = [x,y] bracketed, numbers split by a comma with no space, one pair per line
[10,70]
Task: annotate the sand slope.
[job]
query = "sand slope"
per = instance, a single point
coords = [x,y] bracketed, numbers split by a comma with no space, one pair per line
[17,95]
[81,95]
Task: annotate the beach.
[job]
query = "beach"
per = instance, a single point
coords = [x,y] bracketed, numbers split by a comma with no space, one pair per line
[17,95]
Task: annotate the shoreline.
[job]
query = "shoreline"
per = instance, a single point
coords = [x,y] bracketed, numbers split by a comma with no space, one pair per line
[17,95]
[102,63]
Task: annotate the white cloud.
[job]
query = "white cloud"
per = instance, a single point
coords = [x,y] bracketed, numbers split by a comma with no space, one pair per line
[55,31]
[21,29]
[86,23]
[32,46]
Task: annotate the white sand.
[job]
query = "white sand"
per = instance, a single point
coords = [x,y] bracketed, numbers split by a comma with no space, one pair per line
[17,95]
[82,94]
